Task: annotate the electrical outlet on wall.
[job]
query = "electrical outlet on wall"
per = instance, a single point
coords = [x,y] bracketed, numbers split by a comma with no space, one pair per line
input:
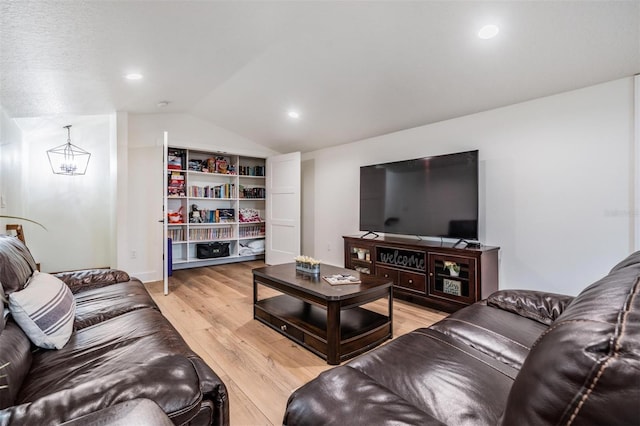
[134,254]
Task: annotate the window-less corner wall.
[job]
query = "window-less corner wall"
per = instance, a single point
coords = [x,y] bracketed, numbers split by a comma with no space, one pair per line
[76,210]
[556,183]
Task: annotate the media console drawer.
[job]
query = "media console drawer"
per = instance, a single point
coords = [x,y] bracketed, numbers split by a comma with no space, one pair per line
[389,273]
[403,279]
[411,281]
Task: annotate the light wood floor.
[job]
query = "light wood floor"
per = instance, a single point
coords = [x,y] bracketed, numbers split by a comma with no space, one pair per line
[212,308]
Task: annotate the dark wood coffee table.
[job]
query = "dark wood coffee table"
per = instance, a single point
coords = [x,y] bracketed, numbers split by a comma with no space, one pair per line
[328,320]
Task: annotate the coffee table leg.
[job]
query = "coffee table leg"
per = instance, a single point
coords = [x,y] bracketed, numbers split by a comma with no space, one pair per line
[255,296]
[391,312]
[333,333]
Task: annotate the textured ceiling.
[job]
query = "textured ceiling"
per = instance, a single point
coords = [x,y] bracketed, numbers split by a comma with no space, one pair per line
[353,69]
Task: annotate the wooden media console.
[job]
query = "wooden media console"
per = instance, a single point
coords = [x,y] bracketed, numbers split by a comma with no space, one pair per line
[422,270]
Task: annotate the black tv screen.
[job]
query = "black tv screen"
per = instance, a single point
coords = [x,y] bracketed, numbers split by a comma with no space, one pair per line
[432,196]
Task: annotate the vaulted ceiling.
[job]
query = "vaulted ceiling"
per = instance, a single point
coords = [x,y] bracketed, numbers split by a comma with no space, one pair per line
[352,69]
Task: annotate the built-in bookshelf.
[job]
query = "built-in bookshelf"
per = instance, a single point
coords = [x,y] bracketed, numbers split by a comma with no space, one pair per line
[217,199]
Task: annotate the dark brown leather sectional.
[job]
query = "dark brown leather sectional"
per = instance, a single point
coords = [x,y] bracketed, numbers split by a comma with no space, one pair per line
[518,358]
[122,349]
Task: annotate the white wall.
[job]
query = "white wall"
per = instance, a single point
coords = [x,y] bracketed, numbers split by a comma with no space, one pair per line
[11,174]
[144,176]
[76,210]
[556,184]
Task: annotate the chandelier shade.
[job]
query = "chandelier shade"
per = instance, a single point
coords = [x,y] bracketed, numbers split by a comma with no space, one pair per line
[68,159]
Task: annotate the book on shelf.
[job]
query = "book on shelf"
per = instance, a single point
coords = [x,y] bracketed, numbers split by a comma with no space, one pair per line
[246,231]
[227,190]
[176,234]
[251,171]
[175,185]
[208,234]
[252,192]
[175,159]
[341,279]
[225,215]
[197,215]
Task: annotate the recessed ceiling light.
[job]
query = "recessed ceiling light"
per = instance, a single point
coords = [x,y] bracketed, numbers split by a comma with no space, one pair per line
[133,76]
[293,114]
[488,31]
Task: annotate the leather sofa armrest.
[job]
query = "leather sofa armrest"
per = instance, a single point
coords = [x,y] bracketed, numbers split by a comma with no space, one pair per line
[539,306]
[142,412]
[92,278]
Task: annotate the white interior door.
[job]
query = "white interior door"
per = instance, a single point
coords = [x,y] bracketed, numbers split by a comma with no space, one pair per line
[165,222]
[283,208]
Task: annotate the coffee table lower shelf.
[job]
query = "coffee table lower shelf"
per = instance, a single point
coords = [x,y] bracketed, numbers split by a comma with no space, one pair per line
[306,324]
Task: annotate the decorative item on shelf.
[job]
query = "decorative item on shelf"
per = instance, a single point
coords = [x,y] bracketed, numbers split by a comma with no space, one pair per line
[247,215]
[361,253]
[194,214]
[222,165]
[307,264]
[195,165]
[68,159]
[452,287]
[175,216]
[453,267]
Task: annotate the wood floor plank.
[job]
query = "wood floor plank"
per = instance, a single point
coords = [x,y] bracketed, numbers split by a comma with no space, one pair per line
[242,410]
[212,308]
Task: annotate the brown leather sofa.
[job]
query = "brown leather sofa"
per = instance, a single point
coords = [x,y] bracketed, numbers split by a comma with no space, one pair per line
[121,349]
[518,358]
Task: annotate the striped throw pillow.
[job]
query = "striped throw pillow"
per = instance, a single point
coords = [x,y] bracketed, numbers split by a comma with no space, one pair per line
[45,310]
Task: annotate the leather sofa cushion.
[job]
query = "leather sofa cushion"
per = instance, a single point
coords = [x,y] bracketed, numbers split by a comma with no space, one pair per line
[424,369]
[503,335]
[135,355]
[16,264]
[538,306]
[92,278]
[331,397]
[103,303]
[584,369]
[15,361]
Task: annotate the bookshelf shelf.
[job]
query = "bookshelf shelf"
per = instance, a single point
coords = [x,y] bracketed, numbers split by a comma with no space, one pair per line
[214,192]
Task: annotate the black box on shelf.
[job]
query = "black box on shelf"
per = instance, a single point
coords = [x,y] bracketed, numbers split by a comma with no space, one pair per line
[212,250]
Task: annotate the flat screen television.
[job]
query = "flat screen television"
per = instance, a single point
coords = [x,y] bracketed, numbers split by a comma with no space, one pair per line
[431,196]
